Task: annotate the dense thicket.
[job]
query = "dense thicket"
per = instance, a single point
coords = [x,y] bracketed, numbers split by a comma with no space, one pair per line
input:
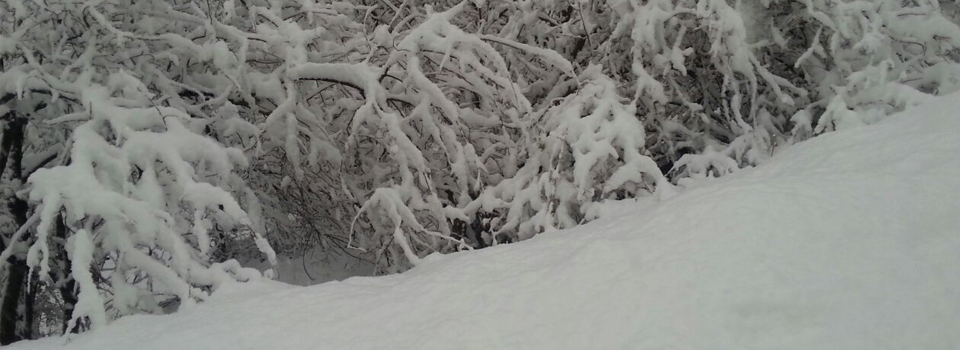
[152,148]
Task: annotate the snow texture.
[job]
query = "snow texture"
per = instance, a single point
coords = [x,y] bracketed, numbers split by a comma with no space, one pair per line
[846,241]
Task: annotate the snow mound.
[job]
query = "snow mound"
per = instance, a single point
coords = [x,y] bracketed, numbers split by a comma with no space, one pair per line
[849,241]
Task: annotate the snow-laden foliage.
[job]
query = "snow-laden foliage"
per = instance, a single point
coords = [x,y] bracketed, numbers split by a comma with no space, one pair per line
[872,58]
[174,136]
[584,148]
[142,188]
[724,83]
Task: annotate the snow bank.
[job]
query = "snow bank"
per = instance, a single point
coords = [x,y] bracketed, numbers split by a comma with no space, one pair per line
[850,241]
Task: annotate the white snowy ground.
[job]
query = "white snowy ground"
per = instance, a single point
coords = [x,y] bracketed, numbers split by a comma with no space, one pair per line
[849,241]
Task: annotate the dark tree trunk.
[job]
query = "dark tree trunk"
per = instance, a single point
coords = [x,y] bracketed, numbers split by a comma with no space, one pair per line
[68,287]
[6,317]
[9,312]
[12,153]
[69,294]
[28,322]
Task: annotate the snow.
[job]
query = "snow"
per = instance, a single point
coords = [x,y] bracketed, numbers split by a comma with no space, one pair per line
[846,241]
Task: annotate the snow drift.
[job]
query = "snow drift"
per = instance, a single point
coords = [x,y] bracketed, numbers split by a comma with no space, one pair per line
[848,241]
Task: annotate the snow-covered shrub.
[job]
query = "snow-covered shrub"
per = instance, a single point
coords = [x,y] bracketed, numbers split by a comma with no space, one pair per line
[585,148]
[140,187]
[407,128]
[872,58]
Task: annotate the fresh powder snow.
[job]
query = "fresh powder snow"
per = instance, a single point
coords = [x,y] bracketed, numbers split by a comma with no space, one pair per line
[847,241]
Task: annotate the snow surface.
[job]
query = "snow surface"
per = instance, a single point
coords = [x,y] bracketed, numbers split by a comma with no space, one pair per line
[848,241]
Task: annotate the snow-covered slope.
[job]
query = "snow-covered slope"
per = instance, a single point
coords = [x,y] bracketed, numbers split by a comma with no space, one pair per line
[849,241]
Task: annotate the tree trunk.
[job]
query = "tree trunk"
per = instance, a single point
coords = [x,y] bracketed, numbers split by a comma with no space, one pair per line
[69,295]
[12,153]
[9,312]
[28,323]
[67,286]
